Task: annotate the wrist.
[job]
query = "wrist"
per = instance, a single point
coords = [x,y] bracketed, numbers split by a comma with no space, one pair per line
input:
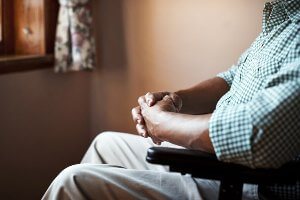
[163,122]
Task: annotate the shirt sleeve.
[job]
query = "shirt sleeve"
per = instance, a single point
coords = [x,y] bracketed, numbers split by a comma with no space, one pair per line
[229,75]
[265,131]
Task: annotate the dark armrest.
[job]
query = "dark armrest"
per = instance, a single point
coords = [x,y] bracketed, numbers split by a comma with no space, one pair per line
[205,165]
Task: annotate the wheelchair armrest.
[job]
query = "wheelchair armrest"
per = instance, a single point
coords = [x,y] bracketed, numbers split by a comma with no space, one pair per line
[204,165]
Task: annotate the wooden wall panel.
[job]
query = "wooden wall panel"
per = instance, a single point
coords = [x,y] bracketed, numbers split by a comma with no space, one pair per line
[39,17]
[29,14]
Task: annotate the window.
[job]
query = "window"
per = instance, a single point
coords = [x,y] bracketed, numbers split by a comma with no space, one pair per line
[6,44]
[0,20]
[27,32]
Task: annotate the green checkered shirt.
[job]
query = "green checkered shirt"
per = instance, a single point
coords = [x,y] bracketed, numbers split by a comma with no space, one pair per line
[257,123]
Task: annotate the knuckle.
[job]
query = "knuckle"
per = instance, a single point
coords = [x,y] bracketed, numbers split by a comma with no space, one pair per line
[173,95]
[133,110]
[141,99]
[138,128]
[149,96]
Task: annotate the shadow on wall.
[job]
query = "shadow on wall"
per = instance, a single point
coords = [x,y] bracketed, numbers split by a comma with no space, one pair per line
[153,45]
[110,87]
[109,28]
[44,128]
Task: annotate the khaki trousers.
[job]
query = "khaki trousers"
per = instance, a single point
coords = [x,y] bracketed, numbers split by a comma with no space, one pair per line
[114,167]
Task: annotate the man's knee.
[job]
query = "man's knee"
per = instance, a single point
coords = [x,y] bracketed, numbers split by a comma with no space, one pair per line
[104,137]
[68,175]
[64,185]
[100,151]
[105,141]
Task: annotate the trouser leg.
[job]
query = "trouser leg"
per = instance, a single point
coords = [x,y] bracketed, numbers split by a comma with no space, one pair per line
[122,149]
[98,181]
[94,181]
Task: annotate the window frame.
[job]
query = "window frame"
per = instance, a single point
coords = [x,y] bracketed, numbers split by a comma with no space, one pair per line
[7,32]
[12,57]
[1,22]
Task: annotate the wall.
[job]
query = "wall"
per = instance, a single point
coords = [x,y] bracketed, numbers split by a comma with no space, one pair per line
[44,127]
[47,120]
[154,45]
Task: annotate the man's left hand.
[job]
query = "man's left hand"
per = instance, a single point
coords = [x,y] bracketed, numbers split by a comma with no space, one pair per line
[153,115]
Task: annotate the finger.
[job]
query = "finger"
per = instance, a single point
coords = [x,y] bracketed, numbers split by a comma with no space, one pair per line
[154,139]
[168,100]
[141,129]
[142,101]
[143,104]
[137,116]
[144,132]
[156,142]
[152,98]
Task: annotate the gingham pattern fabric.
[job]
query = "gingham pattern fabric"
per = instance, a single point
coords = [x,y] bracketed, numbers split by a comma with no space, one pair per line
[257,123]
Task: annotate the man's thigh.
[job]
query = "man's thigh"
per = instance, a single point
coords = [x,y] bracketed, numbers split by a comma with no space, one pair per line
[122,149]
[98,181]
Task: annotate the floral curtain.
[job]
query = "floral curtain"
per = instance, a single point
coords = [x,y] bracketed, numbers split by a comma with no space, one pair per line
[74,45]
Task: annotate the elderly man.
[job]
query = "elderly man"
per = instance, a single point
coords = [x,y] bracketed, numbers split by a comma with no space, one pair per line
[248,115]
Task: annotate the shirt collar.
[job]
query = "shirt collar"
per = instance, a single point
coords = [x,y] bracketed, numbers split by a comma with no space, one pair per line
[274,15]
[278,11]
[292,8]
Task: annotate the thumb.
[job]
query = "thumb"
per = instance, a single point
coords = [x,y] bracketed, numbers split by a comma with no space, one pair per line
[168,99]
[177,101]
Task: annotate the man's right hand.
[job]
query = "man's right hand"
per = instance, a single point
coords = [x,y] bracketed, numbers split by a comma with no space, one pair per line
[151,99]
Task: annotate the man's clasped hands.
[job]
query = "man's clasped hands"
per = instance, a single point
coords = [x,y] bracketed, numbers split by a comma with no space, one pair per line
[151,109]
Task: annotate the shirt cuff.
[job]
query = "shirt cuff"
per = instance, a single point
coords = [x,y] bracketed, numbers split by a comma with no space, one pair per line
[230,131]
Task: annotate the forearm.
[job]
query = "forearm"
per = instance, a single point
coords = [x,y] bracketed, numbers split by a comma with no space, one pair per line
[257,132]
[202,98]
[190,131]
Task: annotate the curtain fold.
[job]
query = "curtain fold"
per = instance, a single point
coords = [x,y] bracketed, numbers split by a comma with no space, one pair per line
[75,43]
